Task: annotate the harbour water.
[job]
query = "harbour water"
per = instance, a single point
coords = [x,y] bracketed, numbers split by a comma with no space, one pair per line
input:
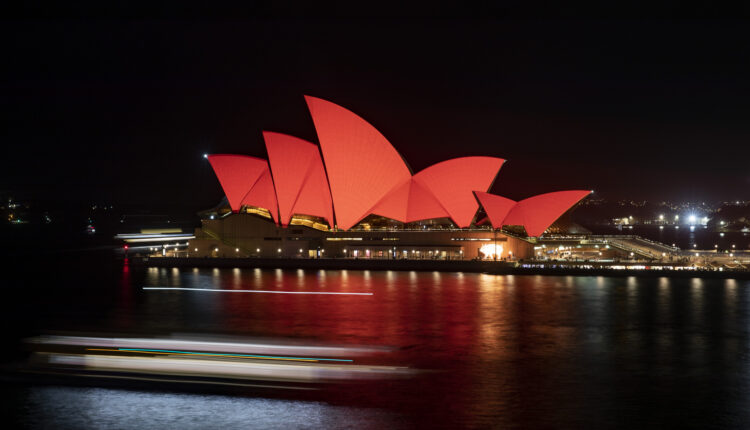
[490,350]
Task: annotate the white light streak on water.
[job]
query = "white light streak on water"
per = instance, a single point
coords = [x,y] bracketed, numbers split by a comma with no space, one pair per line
[256,291]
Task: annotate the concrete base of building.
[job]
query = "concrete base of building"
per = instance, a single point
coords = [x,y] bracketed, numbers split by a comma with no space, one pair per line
[249,235]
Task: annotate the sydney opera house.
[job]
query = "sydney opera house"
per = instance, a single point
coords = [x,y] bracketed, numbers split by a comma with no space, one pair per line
[352,195]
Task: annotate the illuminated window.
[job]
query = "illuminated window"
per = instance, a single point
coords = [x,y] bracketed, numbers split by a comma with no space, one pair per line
[265,213]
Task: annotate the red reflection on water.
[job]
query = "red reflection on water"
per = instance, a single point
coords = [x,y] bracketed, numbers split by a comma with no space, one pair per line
[504,349]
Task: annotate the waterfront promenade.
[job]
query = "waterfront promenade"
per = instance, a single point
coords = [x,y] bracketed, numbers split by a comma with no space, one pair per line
[551,268]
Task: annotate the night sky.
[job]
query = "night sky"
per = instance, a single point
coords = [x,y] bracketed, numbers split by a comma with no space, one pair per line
[121,111]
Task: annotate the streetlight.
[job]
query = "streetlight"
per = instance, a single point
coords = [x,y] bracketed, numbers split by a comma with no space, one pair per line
[205,155]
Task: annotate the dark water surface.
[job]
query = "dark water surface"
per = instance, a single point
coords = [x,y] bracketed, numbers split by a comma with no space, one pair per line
[503,351]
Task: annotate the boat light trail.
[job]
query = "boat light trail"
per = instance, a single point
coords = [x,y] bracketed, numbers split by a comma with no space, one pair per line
[220,290]
[266,357]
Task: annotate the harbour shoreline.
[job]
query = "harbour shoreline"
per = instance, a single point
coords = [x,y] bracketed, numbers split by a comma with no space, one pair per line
[545,268]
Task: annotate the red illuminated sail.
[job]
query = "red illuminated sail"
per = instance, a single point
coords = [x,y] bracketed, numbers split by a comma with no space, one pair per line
[537,213]
[409,202]
[360,173]
[496,207]
[262,194]
[452,182]
[299,177]
[237,174]
[362,165]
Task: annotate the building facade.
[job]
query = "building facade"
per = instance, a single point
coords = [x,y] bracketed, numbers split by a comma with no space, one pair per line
[252,236]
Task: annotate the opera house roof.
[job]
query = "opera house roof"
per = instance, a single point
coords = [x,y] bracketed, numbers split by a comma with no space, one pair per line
[356,172]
